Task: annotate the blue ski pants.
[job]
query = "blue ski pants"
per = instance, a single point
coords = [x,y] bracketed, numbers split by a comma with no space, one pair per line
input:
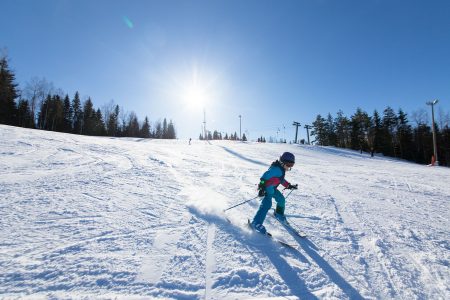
[266,204]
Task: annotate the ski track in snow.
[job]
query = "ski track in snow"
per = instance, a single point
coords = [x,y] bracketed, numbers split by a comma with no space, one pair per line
[210,260]
[90,217]
[374,216]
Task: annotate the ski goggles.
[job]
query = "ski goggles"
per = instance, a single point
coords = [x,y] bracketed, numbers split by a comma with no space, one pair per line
[289,164]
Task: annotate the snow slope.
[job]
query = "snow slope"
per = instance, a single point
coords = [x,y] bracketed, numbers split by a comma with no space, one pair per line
[88,217]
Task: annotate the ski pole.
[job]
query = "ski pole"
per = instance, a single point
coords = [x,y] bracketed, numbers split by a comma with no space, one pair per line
[288,194]
[240,203]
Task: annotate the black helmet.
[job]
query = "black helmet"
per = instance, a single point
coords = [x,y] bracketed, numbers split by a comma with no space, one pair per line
[287,157]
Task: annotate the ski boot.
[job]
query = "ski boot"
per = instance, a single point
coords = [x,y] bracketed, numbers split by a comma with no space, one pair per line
[259,227]
[279,214]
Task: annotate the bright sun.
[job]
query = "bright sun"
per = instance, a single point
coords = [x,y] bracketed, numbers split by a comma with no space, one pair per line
[196,88]
[196,96]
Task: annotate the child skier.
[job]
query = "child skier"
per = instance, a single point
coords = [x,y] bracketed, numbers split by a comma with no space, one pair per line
[268,188]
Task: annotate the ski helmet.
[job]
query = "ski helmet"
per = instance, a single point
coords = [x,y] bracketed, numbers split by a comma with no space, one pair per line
[287,157]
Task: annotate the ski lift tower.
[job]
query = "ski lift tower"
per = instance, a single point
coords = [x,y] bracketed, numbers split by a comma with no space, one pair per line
[308,127]
[296,124]
[204,124]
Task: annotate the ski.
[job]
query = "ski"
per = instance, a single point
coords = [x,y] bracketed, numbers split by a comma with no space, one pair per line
[269,235]
[289,227]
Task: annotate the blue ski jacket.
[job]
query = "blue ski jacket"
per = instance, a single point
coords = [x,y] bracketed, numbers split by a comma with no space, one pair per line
[274,176]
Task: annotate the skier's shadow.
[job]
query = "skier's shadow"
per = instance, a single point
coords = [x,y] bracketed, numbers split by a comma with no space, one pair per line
[311,251]
[259,243]
[289,274]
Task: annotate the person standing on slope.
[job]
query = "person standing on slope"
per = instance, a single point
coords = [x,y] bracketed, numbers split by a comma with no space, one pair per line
[267,187]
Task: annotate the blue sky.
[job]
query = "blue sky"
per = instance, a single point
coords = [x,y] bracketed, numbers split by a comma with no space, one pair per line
[273,62]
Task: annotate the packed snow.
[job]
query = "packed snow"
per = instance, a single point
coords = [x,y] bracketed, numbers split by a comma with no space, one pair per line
[104,218]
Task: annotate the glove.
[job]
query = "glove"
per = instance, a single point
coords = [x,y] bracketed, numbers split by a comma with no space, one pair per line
[292,186]
[261,193]
[261,188]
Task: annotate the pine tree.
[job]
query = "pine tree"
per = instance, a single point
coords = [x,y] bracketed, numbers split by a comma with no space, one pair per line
[77,114]
[68,115]
[331,138]
[171,133]
[56,115]
[423,140]
[374,134]
[404,136]
[133,129]
[145,130]
[8,94]
[24,118]
[158,130]
[388,136]
[342,130]
[360,127]
[99,128]
[112,122]
[88,118]
[319,131]
[164,129]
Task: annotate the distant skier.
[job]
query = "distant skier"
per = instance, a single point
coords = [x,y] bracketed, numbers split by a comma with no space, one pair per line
[190,141]
[270,180]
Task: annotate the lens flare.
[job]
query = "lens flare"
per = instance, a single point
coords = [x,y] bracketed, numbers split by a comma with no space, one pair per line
[128,22]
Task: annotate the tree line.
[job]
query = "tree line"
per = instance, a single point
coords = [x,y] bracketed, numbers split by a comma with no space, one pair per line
[390,134]
[216,135]
[40,106]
